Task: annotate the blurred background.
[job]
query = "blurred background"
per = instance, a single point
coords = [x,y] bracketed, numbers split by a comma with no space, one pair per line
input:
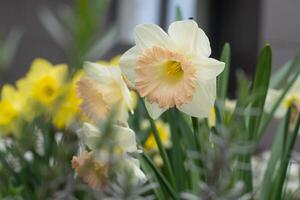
[246,25]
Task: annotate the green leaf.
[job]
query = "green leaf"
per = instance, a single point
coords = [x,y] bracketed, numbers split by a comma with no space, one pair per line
[161,148]
[276,153]
[177,151]
[260,89]
[222,80]
[281,175]
[163,181]
[153,178]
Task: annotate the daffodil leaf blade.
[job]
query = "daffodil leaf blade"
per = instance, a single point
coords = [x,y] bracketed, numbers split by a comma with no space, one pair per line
[288,147]
[260,89]
[162,179]
[153,177]
[223,78]
[276,152]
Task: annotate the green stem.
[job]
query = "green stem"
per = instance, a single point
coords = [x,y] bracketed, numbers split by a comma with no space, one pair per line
[161,148]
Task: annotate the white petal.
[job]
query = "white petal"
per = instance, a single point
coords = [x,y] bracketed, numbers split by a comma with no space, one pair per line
[208,68]
[189,38]
[203,100]
[89,135]
[133,165]
[149,35]
[97,72]
[128,61]
[154,110]
[125,137]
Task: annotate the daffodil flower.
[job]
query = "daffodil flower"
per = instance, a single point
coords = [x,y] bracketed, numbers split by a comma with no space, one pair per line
[174,69]
[291,98]
[102,89]
[68,108]
[112,158]
[44,81]
[11,107]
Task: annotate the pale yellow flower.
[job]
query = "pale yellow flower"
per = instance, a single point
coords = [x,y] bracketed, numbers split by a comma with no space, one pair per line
[173,69]
[103,89]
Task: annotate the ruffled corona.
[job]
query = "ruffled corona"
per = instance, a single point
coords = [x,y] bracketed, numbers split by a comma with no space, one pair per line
[165,77]
[93,104]
[90,170]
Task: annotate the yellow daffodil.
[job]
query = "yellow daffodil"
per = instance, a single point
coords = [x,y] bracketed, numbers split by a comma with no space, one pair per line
[291,98]
[164,133]
[44,81]
[103,89]
[173,69]
[94,167]
[10,107]
[68,109]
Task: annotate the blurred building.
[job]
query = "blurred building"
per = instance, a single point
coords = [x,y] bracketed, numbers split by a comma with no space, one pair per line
[246,25]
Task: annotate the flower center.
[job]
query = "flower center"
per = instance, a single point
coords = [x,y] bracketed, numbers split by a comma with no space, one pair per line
[46,90]
[173,70]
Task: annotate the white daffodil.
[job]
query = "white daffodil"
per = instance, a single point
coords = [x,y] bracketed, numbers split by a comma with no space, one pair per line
[291,98]
[173,69]
[102,90]
[111,158]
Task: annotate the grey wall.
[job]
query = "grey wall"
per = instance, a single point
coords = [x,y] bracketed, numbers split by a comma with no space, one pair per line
[35,41]
[281,28]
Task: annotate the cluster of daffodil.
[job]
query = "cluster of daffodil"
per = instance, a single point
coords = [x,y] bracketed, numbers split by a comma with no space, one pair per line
[45,90]
[157,115]
[167,70]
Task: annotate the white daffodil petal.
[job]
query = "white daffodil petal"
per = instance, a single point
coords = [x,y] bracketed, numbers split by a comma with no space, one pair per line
[189,38]
[97,72]
[154,110]
[128,62]
[149,35]
[208,68]
[203,100]
[125,137]
[89,135]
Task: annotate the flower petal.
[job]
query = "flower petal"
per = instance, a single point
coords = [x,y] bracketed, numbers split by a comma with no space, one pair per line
[125,138]
[208,68]
[128,62]
[189,38]
[149,35]
[154,110]
[203,99]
